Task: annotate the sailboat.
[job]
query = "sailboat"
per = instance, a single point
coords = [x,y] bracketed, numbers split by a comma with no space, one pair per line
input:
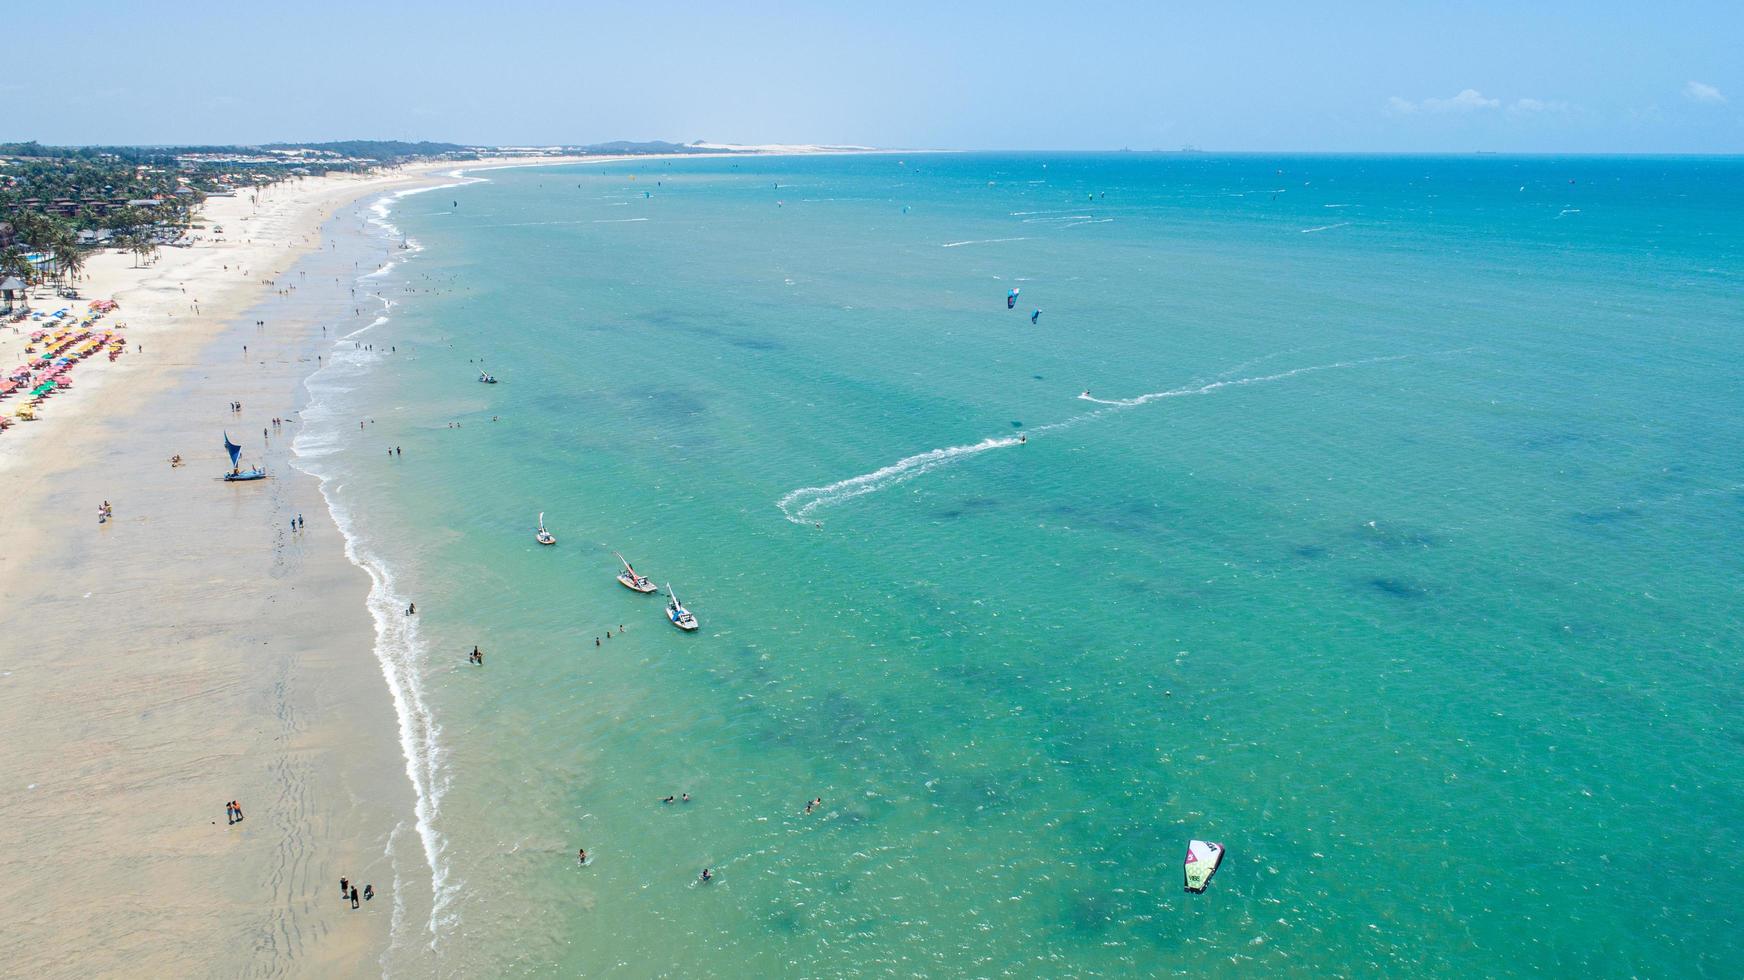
[544,536]
[630,580]
[676,612]
[237,474]
[1203,857]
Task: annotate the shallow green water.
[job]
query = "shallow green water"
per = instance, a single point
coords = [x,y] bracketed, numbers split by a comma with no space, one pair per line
[1417,585]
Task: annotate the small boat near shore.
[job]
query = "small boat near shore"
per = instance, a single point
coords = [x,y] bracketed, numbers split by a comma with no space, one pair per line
[1203,857]
[630,580]
[676,612]
[237,474]
[543,536]
[486,379]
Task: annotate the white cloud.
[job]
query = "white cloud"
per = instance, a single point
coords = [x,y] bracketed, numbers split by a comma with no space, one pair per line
[1702,92]
[1467,101]
[1537,105]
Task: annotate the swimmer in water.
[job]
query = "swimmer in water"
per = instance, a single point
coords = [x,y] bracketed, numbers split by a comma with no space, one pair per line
[707,875]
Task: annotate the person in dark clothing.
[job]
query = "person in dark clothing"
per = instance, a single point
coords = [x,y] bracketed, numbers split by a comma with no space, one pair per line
[354,896]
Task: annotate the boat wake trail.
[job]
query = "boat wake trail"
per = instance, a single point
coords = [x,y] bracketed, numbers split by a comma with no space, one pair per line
[1206,389]
[981,241]
[801,505]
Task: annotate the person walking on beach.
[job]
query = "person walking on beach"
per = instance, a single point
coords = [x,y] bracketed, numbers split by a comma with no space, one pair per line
[368,892]
[229,813]
[354,896]
[344,888]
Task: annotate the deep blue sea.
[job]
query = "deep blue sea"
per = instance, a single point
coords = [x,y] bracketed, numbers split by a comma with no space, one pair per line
[1377,517]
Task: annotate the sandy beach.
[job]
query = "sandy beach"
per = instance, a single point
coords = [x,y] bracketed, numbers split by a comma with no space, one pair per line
[195,649]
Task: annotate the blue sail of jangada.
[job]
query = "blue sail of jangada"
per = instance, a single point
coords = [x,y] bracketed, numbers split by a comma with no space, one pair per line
[1203,857]
[234,450]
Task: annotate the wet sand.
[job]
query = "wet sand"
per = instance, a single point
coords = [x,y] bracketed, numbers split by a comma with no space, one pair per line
[194,650]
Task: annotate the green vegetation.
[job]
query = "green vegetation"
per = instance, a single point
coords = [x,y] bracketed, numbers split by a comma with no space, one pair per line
[382,151]
[140,197]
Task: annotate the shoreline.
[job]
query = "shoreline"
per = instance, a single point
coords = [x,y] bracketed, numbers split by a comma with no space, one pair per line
[195,650]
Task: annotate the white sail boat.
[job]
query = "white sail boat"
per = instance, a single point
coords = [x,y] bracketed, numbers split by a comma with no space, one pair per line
[676,612]
[630,580]
[543,536]
[1203,857]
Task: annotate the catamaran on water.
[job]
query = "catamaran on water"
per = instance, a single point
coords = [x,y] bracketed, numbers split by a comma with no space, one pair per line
[237,474]
[676,612]
[630,580]
[543,536]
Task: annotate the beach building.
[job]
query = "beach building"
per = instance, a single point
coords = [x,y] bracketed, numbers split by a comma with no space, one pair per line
[13,288]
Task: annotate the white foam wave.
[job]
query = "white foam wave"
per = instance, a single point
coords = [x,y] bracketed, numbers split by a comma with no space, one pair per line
[1310,231]
[400,652]
[1091,221]
[982,241]
[398,647]
[800,505]
[1069,217]
[616,221]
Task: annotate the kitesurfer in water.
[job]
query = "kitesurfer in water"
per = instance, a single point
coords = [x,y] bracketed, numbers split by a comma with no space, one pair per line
[1034,316]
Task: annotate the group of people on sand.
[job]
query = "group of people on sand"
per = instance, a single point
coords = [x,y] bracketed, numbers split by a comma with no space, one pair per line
[105,513]
[233,812]
[349,890]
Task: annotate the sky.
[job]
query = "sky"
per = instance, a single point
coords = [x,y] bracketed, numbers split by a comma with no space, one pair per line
[1592,77]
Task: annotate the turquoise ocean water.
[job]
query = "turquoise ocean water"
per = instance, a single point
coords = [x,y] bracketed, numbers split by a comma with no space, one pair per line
[1395,546]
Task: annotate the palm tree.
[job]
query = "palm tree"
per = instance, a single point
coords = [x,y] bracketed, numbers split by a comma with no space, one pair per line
[13,262]
[68,259]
